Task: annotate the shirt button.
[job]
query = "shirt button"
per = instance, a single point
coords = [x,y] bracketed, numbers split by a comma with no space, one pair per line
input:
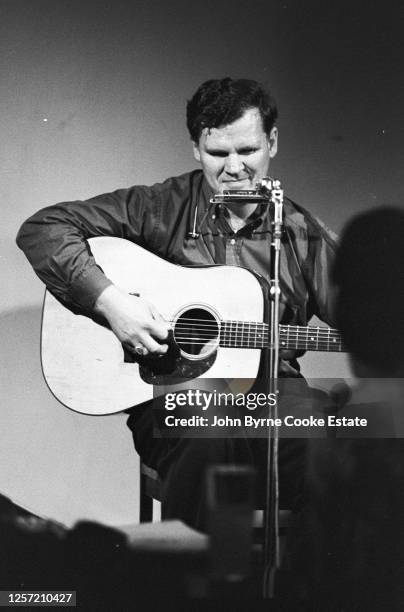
[233,241]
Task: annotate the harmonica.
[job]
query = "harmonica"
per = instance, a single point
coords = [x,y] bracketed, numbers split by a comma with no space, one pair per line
[262,193]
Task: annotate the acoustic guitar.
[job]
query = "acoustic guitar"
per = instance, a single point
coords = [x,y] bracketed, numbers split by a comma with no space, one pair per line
[218,332]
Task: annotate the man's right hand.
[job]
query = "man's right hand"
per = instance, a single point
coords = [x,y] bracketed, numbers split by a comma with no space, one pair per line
[134,321]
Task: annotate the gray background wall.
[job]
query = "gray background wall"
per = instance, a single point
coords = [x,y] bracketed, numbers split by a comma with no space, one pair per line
[92,98]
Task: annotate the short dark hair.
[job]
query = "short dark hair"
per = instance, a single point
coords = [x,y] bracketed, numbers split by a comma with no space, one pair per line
[219,102]
[369,276]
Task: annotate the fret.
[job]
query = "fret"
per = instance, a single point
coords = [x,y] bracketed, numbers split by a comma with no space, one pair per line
[335,342]
[262,336]
[259,336]
[338,342]
[282,342]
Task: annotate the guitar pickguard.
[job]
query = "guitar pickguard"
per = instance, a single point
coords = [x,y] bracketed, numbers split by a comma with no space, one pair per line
[171,368]
[184,370]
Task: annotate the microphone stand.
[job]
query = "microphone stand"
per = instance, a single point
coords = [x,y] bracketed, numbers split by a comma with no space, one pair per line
[271,511]
[269,191]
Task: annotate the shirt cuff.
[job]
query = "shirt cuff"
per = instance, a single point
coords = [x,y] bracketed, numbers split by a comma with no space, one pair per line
[88,287]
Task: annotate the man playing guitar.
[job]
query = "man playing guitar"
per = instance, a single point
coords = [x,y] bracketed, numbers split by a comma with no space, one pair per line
[234,138]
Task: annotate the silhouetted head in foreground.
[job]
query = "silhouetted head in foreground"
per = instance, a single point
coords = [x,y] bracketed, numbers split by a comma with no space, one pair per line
[369,275]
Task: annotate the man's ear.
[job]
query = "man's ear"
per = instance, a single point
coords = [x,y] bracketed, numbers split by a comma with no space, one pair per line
[197,153]
[273,142]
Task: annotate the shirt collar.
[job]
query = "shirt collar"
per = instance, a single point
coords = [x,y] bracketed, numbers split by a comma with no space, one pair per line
[255,220]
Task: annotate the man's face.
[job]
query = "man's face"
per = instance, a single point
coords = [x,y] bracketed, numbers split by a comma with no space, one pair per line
[237,155]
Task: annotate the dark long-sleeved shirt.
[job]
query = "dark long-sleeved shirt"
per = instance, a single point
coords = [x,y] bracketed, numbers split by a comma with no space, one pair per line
[159,218]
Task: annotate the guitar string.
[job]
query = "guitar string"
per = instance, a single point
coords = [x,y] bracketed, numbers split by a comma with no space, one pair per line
[251,341]
[182,334]
[284,328]
[245,343]
[236,331]
[244,338]
[259,323]
[204,334]
[215,331]
[261,344]
[295,336]
[227,337]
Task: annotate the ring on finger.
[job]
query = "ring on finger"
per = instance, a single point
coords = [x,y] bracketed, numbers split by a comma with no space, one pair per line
[140,349]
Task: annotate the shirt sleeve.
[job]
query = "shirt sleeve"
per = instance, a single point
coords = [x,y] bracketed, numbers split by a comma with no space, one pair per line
[322,245]
[54,241]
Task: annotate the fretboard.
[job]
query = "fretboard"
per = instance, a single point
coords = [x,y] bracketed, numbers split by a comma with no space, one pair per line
[249,334]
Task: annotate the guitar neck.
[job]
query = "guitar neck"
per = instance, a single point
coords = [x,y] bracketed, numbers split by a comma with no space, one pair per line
[246,334]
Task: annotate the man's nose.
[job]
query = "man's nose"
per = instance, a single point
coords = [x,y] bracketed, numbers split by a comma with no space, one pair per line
[234,164]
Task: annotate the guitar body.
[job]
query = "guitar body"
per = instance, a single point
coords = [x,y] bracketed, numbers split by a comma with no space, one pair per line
[83,362]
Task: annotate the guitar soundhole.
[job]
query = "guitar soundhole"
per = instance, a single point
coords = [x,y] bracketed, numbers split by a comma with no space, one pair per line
[196,332]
